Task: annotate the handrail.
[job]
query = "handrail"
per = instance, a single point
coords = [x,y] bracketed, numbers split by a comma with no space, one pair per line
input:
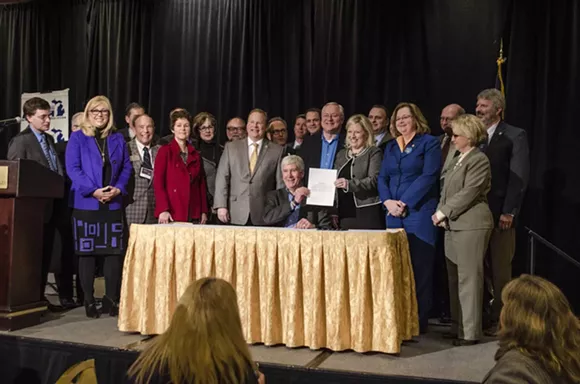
[532,237]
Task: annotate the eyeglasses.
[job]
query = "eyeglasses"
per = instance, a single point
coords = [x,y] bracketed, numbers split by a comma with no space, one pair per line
[278,131]
[334,116]
[236,129]
[403,117]
[206,128]
[96,112]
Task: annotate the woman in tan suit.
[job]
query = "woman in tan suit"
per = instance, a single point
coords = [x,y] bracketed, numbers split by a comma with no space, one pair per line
[464,213]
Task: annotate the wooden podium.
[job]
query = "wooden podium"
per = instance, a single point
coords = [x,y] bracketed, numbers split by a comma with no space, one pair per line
[25,187]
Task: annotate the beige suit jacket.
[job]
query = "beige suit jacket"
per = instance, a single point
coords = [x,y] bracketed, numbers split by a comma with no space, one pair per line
[243,193]
[464,194]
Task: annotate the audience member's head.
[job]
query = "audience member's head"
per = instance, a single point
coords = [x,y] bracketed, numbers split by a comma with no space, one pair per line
[449,113]
[236,129]
[332,117]
[204,342]
[536,319]
[131,111]
[278,130]
[490,105]
[313,120]
[407,119]
[256,126]
[204,124]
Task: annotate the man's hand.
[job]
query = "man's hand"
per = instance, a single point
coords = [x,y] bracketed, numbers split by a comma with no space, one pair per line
[300,194]
[223,215]
[505,221]
[304,224]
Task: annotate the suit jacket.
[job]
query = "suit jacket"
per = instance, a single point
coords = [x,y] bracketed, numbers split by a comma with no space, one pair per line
[289,149]
[464,194]
[140,199]
[278,209]
[85,169]
[509,158]
[180,188]
[516,368]
[125,133]
[25,145]
[311,150]
[364,171]
[243,193]
[386,138]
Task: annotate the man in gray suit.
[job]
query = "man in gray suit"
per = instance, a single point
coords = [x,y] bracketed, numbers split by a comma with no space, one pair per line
[35,144]
[248,170]
[140,199]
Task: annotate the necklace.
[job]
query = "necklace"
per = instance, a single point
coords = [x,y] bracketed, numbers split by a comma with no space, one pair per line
[102,150]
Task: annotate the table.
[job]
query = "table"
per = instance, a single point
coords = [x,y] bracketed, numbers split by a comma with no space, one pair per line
[322,289]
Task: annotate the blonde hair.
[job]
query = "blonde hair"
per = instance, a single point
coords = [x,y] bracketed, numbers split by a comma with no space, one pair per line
[204,341]
[470,127]
[536,319]
[367,127]
[421,126]
[86,126]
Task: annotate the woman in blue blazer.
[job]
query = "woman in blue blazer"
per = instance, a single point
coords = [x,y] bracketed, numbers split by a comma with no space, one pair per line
[98,164]
[409,190]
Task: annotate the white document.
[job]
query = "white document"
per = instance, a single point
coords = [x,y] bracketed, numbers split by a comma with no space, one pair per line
[321,186]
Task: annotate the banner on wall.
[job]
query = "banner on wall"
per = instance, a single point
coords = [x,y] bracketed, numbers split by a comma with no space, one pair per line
[59,116]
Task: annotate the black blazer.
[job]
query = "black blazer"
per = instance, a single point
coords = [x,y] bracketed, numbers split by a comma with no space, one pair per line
[311,150]
[509,159]
[278,209]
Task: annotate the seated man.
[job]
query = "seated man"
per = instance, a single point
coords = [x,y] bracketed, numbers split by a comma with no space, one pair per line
[286,207]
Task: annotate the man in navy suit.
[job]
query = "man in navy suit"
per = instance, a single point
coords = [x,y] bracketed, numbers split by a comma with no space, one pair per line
[508,153]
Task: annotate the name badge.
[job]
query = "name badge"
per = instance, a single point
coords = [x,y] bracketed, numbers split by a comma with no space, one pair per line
[146,173]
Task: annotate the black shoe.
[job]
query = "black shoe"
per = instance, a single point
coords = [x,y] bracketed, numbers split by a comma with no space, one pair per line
[110,307]
[51,307]
[445,319]
[491,331]
[67,303]
[464,343]
[91,310]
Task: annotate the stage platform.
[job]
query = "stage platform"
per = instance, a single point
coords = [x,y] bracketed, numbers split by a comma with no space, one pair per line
[41,353]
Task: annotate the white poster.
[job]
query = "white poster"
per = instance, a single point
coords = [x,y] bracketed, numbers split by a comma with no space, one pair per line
[59,116]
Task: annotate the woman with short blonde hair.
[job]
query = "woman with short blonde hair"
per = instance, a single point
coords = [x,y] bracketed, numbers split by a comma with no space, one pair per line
[204,342]
[539,336]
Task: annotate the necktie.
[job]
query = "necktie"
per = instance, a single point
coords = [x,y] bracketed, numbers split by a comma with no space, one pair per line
[47,154]
[254,158]
[445,148]
[147,158]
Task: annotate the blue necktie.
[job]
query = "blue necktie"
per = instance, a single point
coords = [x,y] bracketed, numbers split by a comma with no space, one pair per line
[46,150]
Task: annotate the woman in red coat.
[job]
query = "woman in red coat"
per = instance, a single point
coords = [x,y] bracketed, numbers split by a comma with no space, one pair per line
[179,179]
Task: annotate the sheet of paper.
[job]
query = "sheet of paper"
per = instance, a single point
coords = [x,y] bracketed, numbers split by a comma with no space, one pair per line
[3,177]
[321,186]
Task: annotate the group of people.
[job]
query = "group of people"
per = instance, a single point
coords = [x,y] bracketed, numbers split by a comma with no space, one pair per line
[465,186]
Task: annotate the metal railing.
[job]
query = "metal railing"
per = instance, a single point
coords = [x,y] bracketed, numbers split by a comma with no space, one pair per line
[532,238]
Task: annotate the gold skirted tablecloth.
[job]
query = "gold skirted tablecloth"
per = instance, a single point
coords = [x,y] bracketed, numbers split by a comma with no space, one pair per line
[321,289]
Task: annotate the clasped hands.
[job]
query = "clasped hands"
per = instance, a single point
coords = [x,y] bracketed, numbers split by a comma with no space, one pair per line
[395,208]
[437,222]
[106,194]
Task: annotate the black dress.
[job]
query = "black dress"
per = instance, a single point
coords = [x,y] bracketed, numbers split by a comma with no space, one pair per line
[351,217]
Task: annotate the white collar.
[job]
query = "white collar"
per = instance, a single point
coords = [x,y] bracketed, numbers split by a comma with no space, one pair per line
[259,142]
[491,130]
[140,147]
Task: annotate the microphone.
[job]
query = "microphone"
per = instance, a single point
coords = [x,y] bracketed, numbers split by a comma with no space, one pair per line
[14,120]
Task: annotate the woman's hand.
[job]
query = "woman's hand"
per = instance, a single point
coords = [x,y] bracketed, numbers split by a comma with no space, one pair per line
[261,378]
[111,194]
[395,207]
[99,194]
[341,183]
[203,218]
[165,218]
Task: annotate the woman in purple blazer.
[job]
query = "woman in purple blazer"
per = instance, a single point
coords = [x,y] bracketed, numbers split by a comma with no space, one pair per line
[98,164]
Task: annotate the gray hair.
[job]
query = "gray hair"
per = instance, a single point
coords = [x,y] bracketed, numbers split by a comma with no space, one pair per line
[493,95]
[293,160]
[338,105]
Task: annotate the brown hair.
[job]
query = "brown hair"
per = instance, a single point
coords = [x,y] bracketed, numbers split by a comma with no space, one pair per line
[179,114]
[198,121]
[536,319]
[32,105]
[421,125]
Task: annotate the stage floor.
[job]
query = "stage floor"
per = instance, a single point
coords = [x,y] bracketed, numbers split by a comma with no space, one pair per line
[428,356]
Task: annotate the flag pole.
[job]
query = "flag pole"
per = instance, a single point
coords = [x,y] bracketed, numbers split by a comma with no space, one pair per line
[500,61]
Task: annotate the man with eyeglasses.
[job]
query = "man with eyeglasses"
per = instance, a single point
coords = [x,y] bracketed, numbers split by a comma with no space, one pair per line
[34,143]
[277,132]
[448,113]
[236,129]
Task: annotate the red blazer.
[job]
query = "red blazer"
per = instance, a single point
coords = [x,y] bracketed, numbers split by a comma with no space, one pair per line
[179,188]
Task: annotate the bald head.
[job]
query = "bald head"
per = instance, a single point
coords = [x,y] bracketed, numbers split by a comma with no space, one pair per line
[449,113]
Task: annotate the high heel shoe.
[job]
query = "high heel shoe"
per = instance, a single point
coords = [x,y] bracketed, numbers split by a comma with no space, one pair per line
[110,307]
[91,310]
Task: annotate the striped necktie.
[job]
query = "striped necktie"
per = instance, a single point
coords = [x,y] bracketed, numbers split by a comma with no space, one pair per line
[47,153]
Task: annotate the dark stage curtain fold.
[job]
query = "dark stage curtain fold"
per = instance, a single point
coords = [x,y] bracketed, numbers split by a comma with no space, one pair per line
[229,56]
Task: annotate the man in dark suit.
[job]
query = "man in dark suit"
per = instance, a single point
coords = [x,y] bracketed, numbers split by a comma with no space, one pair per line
[236,129]
[34,143]
[508,153]
[312,120]
[300,132]
[286,207]
[379,117]
[277,132]
[448,151]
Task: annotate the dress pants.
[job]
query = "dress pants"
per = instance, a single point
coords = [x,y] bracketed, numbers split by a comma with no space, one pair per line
[465,251]
[502,247]
[423,261]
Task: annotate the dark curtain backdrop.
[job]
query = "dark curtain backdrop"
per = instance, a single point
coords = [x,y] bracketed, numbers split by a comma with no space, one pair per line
[228,56]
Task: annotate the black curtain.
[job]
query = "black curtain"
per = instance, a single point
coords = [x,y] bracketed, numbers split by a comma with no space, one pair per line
[228,56]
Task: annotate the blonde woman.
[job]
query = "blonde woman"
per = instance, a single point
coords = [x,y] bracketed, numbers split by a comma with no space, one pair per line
[204,343]
[358,165]
[97,162]
[539,336]
[464,213]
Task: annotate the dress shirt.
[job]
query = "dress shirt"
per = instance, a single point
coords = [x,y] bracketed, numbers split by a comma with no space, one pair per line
[251,147]
[328,152]
[140,147]
[491,131]
[379,137]
[296,144]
